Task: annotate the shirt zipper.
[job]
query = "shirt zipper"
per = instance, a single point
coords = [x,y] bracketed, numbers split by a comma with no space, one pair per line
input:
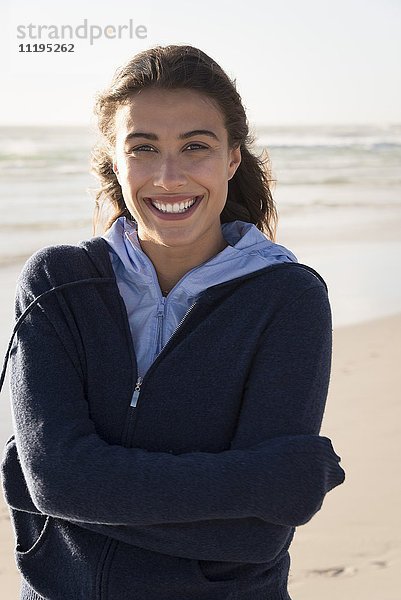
[159,329]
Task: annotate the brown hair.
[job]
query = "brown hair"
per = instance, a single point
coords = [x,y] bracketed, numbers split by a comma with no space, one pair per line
[249,196]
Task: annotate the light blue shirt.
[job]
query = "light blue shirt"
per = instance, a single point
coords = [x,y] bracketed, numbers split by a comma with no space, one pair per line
[153,318]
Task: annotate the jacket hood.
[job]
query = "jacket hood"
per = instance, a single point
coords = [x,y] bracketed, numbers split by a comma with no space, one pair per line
[249,250]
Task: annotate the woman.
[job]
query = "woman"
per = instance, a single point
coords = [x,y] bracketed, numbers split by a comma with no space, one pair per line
[169,377]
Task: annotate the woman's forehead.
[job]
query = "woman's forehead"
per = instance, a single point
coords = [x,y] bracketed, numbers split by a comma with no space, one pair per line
[168,109]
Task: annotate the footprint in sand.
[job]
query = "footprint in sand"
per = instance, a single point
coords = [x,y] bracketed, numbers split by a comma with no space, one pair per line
[345,571]
[334,571]
[379,564]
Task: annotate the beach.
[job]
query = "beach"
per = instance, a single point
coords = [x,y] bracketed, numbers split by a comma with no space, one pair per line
[352,546]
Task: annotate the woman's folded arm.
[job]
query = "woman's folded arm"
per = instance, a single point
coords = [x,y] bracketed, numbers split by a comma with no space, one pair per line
[190,539]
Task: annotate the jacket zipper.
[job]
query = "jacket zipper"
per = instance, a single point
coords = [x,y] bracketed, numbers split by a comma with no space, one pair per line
[140,380]
[137,389]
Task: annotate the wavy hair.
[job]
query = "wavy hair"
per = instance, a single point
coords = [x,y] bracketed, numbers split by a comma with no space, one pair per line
[173,67]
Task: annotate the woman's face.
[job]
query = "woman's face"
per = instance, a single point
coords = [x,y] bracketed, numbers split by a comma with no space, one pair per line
[173,164]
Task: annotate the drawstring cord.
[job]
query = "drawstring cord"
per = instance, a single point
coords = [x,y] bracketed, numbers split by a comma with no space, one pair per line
[32,305]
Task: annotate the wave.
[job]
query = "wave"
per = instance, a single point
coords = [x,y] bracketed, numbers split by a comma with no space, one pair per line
[26,225]
[320,137]
[38,168]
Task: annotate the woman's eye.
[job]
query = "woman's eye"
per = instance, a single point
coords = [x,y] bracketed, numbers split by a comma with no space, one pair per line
[144,148]
[195,146]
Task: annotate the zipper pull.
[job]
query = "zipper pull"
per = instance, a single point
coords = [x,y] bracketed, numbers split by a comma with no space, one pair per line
[135,395]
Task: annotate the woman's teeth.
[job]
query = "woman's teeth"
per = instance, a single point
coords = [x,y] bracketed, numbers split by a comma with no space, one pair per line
[178,207]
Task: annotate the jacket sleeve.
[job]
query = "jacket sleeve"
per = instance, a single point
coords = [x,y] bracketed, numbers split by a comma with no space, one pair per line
[71,473]
[286,390]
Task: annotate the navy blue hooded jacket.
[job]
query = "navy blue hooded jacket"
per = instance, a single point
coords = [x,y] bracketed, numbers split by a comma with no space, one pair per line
[195,493]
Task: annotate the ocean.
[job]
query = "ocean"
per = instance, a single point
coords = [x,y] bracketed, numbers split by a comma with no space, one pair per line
[345,166]
[326,177]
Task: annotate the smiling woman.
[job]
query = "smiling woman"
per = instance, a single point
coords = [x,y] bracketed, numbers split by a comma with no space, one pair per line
[167,398]
[184,159]
[189,74]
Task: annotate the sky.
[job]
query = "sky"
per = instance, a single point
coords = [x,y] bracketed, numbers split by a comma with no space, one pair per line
[295,62]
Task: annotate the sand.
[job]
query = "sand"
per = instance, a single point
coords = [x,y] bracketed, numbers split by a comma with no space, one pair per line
[352,547]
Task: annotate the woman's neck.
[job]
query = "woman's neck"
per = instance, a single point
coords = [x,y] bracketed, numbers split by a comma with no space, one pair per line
[172,263]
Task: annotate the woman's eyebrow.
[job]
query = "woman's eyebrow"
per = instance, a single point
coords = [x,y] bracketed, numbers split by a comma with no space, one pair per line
[188,134]
[182,136]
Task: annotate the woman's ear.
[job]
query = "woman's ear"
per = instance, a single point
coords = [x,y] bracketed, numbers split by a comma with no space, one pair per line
[115,170]
[235,161]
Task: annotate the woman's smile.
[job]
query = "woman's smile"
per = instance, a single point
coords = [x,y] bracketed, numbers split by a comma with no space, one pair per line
[172,208]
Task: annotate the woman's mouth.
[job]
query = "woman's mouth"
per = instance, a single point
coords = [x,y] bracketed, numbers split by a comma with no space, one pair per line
[167,210]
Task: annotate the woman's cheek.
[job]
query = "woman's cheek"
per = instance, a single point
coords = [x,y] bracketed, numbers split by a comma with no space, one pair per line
[138,172]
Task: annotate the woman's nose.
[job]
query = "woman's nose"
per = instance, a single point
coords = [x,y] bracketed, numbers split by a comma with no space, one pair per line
[169,175]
